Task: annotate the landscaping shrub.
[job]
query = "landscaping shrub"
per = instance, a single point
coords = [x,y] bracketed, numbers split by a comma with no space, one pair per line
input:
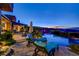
[29,39]
[7,38]
[7,35]
[75,48]
[37,34]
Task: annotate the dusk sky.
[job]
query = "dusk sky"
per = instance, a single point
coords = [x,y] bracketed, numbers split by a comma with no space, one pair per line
[47,14]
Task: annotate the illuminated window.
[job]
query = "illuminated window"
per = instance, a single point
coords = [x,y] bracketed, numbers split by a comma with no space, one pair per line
[3,24]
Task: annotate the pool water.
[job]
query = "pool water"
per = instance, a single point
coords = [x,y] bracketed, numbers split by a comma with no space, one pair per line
[61,41]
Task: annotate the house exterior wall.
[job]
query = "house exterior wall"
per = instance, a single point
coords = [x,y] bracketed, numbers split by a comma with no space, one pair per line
[5,23]
[17,27]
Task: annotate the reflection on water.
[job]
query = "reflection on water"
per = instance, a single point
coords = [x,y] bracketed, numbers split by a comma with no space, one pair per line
[59,40]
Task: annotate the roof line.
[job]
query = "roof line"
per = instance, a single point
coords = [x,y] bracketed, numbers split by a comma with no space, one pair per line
[5,17]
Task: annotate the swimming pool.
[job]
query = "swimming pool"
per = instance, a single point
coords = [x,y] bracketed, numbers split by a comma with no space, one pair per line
[61,41]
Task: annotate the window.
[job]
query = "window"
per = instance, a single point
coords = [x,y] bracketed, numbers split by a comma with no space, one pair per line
[3,24]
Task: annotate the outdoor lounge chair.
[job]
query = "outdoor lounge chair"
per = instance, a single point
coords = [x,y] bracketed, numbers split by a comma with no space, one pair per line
[10,52]
[49,48]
